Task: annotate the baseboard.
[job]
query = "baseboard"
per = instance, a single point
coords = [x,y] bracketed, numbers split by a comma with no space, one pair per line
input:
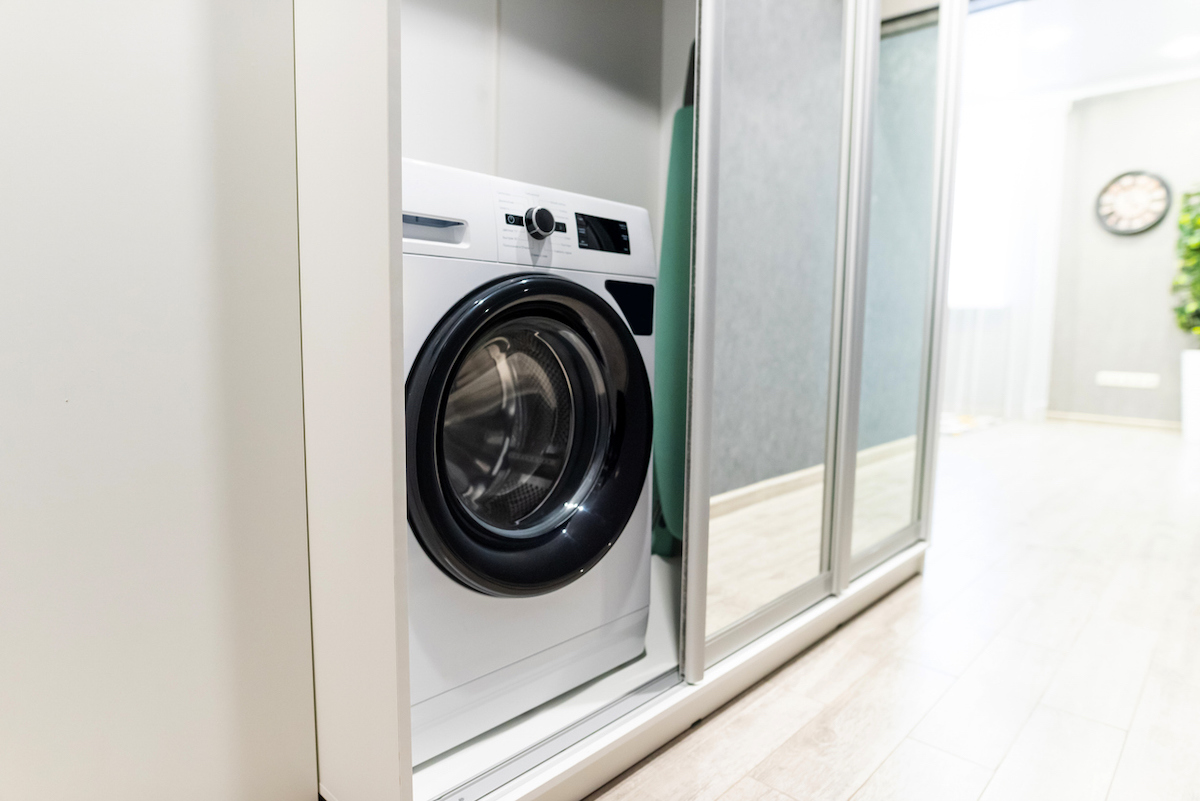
[1112,419]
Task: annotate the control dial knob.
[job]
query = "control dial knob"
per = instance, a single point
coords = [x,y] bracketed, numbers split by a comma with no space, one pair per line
[539,222]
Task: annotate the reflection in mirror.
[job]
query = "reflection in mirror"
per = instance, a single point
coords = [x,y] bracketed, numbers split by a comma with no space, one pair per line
[899,270]
[780,120]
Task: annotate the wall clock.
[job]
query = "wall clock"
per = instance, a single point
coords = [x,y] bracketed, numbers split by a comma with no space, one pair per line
[1133,202]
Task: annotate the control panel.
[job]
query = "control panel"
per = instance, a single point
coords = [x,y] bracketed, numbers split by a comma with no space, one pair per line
[599,233]
[545,228]
[468,215]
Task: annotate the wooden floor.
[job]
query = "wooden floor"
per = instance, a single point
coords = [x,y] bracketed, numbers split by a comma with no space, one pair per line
[1050,651]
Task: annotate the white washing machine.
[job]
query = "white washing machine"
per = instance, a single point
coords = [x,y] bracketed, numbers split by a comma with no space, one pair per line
[528,357]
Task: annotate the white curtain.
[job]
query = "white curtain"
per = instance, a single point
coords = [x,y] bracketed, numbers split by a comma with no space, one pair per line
[1006,217]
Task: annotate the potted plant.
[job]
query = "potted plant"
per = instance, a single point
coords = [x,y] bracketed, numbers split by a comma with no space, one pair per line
[1186,287]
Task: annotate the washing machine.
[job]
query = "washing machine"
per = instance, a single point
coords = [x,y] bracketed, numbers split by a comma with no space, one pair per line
[528,358]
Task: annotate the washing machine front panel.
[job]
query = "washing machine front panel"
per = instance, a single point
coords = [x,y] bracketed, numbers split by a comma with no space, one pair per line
[529,428]
[480,659]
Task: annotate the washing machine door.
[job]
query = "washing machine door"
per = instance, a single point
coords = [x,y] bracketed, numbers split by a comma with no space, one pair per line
[529,424]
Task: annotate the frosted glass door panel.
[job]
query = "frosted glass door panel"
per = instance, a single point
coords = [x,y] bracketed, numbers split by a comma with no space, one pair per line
[899,270]
[781,116]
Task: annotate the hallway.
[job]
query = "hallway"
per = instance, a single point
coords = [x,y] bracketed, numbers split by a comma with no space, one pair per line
[1051,650]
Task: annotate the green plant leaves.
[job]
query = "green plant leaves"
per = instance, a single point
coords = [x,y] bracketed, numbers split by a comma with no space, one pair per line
[1186,284]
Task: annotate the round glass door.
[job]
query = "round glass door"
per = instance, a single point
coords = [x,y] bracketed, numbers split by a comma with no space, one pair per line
[524,419]
[529,423]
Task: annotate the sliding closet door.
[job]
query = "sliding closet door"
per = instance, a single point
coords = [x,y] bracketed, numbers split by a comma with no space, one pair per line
[899,272]
[775,225]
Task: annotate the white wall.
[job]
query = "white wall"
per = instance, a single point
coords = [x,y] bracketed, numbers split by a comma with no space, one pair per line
[679,32]
[1003,256]
[449,50]
[1024,66]
[1114,302]
[154,628]
[575,96]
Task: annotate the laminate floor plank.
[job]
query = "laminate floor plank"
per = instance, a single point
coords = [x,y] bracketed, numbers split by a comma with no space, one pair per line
[830,668]
[1054,617]
[919,772]
[1058,756]
[832,756]
[1178,652]
[1142,592]
[982,714]
[1050,650]
[709,759]
[1102,675]
[749,790]
[1161,759]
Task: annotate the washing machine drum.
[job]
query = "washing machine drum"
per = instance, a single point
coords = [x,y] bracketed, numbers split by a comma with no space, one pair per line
[529,425]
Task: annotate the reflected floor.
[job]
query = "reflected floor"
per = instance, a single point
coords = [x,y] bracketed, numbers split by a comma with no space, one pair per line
[883,491]
[765,540]
[760,551]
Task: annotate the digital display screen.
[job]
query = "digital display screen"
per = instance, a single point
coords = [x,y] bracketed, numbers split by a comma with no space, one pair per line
[598,233]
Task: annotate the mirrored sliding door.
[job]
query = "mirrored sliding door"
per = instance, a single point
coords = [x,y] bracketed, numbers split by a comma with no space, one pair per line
[782,98]
[899,269]
[817,133]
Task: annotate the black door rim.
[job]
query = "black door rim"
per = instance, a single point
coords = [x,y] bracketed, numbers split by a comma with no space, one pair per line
[480,556]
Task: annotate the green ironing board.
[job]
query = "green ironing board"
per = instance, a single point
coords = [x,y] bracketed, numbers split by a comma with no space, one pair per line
[671,343]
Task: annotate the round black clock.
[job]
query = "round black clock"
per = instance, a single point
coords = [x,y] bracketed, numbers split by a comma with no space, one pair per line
[1133,202]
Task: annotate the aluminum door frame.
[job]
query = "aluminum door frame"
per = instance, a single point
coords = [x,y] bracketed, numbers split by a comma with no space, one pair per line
[706,146]
[952,18]
[857,207]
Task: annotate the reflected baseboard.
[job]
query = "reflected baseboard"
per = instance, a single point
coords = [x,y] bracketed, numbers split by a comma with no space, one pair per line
[760,491]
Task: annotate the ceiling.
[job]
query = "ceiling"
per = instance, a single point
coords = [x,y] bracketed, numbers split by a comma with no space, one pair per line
[1042,46]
